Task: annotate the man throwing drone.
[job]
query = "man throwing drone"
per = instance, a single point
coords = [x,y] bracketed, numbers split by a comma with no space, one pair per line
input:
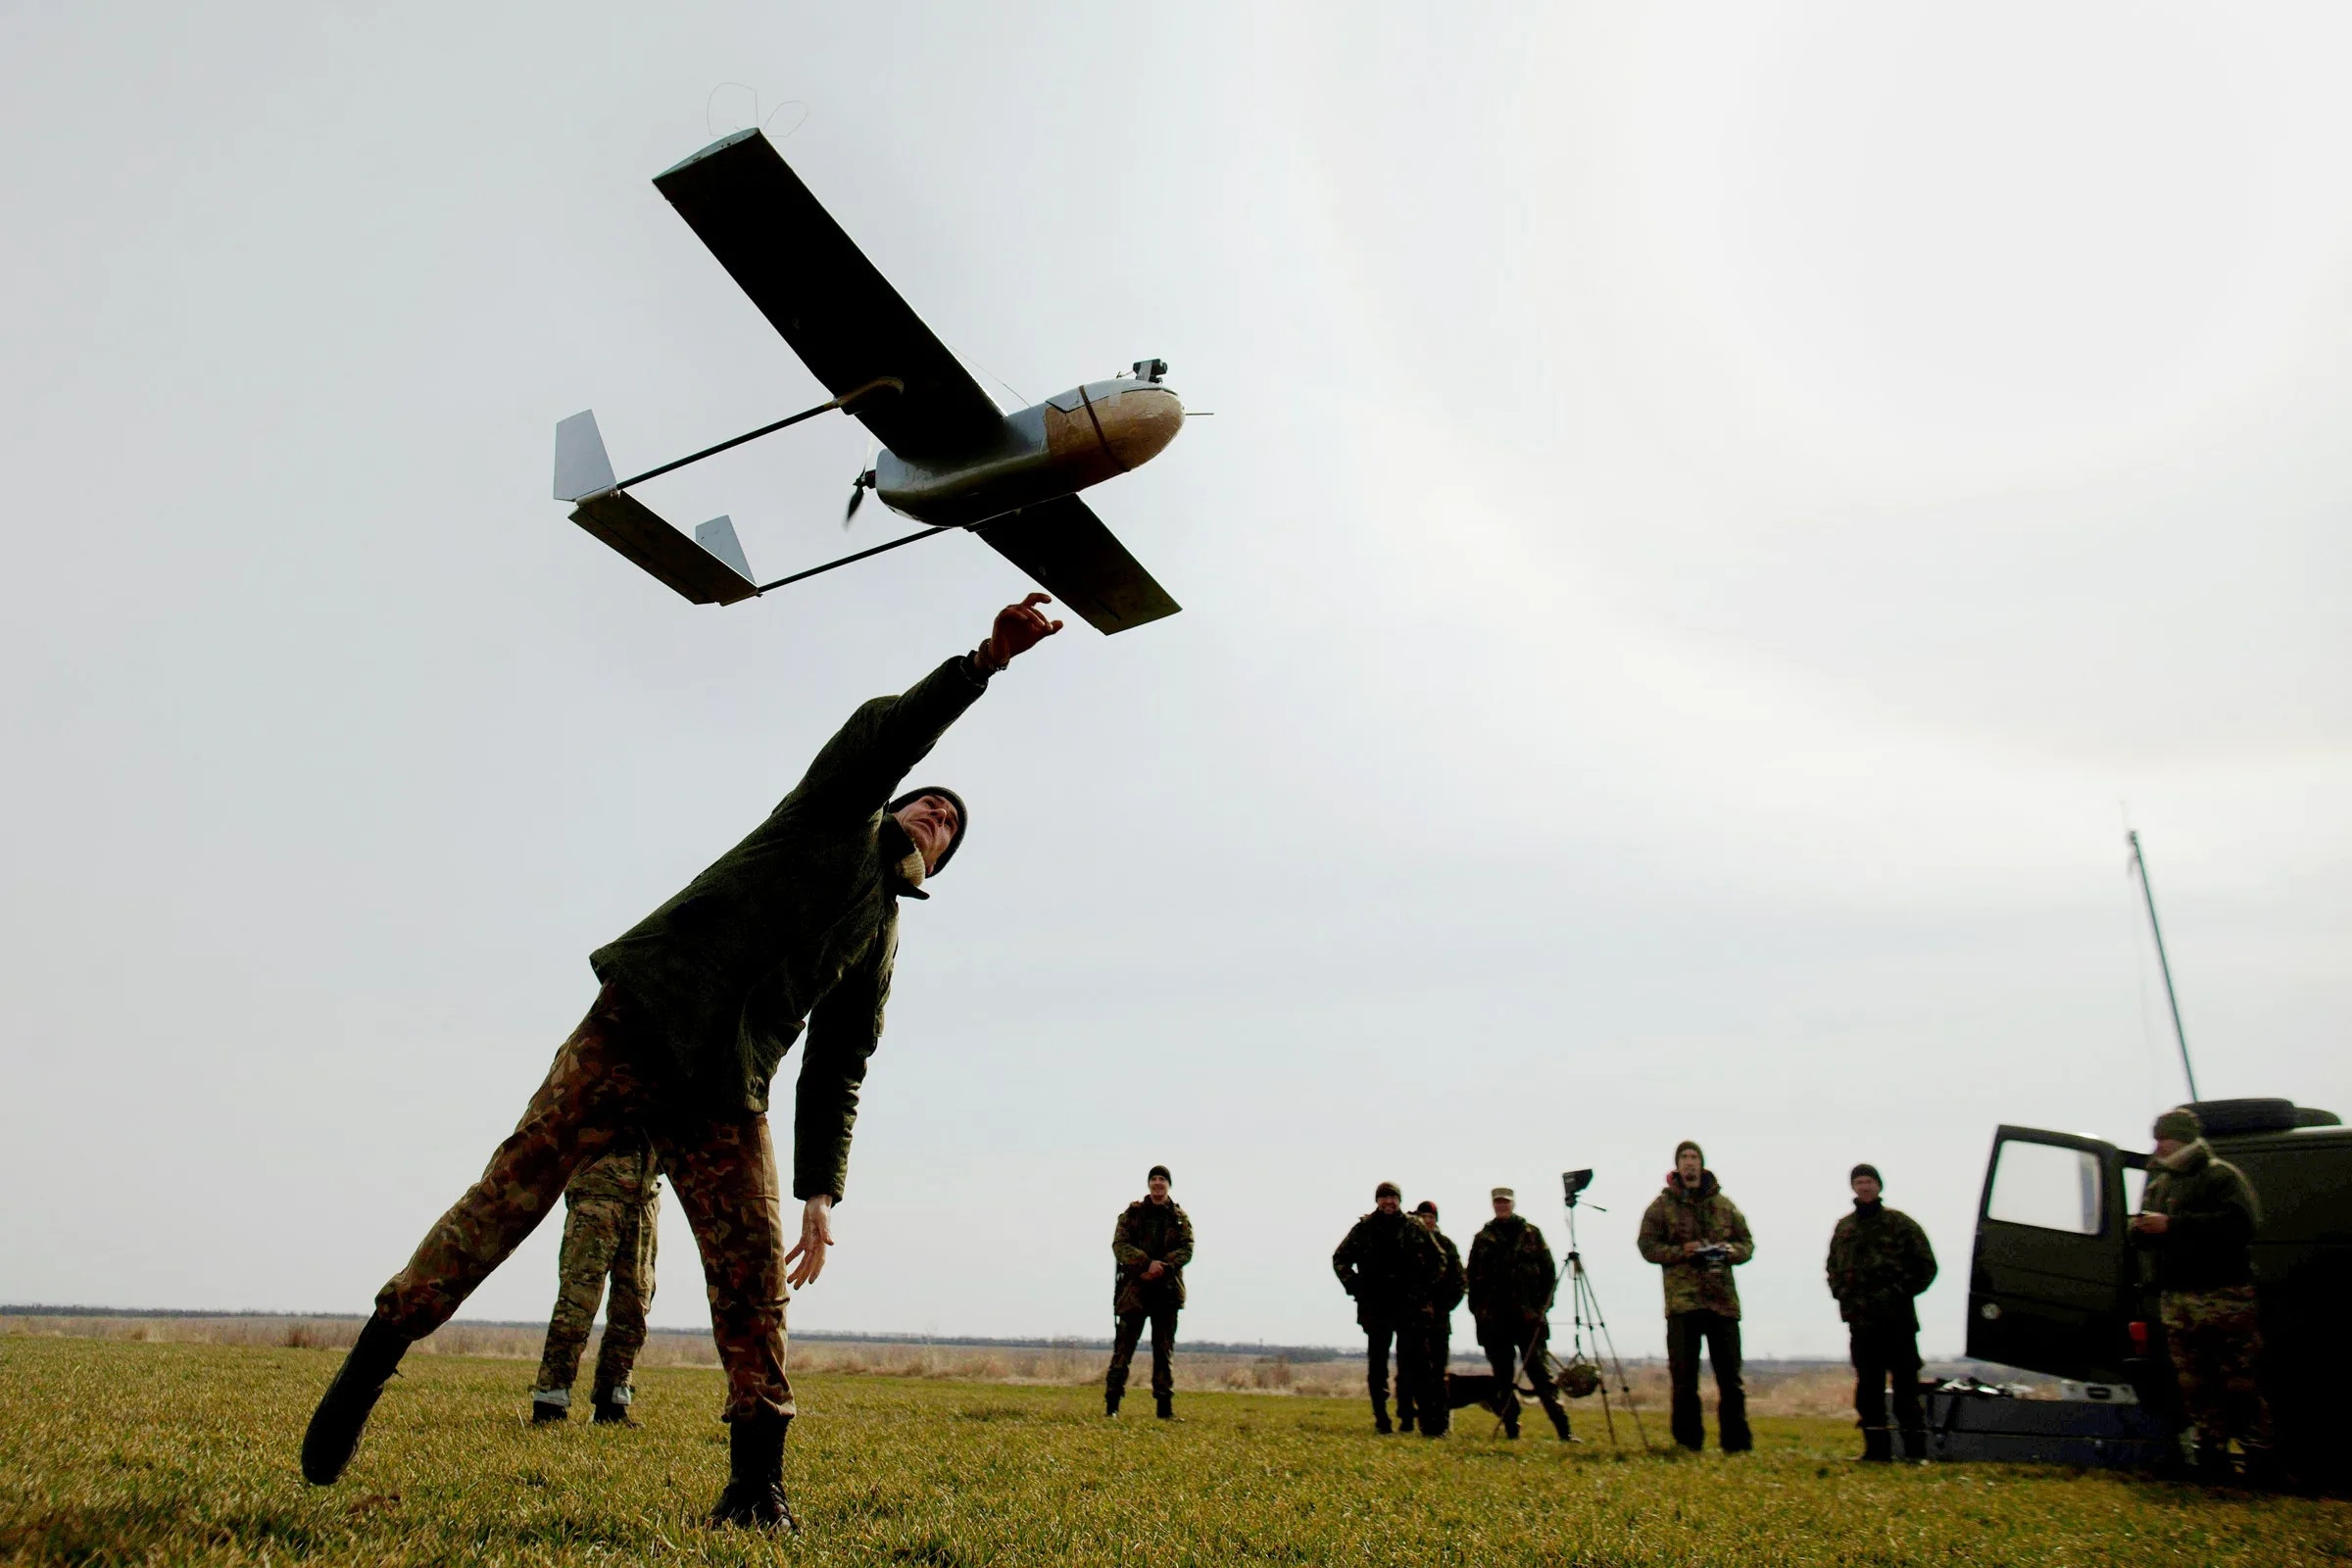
[793,929]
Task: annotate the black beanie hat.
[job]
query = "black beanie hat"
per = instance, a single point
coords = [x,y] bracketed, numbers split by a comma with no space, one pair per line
[1866,1169]
[963,818]
[1388,1190]
[1160,1171]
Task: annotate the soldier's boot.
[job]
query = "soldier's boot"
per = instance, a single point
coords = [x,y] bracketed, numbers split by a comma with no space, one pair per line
[545,1409]
[1560,1422]
[342,1414]
[1164,1406]
[1379,1415]
[754,1494]
[1877,1446]
[1110,1402]
[1404,1419]
[1915,1444]
[1509,1409]
[611,1409]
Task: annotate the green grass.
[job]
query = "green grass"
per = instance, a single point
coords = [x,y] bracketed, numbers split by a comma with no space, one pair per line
[116,1452]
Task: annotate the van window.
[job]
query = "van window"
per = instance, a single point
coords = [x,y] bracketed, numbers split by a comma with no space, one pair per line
[2046,1185]
[2135,1184]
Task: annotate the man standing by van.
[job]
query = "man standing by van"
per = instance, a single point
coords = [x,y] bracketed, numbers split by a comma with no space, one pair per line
[1879,1260]
[2198,1218]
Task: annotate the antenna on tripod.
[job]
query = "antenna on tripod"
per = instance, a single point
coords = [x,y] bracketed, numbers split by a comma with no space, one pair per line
[1585,1308]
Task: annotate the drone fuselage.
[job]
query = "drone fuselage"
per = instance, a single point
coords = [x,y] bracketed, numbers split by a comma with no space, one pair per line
[1058,447]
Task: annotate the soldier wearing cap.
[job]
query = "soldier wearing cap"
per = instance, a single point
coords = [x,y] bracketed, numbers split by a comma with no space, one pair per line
[1436,1411]
[793,929]
[2197,1218]
[1879,1259]
[1391,1265]
[1151,1244]
[1513,1279]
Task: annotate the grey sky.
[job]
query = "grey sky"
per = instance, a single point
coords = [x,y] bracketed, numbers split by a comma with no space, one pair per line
[1706,521]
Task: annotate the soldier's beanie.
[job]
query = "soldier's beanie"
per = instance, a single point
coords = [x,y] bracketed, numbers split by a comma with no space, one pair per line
[1693,1146]
[963,817]
[1425,1206]
[1388,1190]
[1865,1169]
[1160,1171]
[2180,1125]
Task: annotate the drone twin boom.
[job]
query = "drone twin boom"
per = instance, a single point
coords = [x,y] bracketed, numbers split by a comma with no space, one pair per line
[950,457]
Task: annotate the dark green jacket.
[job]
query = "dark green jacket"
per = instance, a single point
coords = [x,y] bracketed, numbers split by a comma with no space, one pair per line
[1511,1278]
[2212,1210]
[1879,1260]
[1391,1265]
[1149,1233]
[796,923]
[1704,1214]
[1450,1283]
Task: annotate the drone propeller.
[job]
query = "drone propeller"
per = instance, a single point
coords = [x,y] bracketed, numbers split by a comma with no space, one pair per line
[858,490]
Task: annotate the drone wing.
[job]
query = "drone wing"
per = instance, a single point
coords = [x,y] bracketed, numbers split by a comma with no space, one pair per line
[817,289]
[1073,556]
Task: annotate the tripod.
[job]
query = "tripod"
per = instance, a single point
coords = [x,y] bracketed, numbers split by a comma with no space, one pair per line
[1583,1306]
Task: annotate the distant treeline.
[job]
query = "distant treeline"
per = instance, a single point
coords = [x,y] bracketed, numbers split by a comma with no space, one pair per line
[1300,1354]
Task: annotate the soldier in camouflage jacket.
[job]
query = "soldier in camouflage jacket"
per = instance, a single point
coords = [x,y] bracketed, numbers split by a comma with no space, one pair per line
[1391,1264]
[1697,1235]
[792,931]
[1879,1260]
[1512,1281]
[2198,1218]
[610,1208]
[1149,1247]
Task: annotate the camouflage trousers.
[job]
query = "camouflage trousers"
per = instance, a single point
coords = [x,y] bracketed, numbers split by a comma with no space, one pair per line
[2216,1343]
[602,1236]
[1162,1316]
[723,1169]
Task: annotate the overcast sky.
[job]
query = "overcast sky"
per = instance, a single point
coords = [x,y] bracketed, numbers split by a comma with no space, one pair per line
[1709,521]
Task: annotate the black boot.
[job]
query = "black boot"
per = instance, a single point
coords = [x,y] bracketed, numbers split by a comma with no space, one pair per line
[1915,1444]
[1404,1420]
[1166,1406]
[754,1494]
[611,1412]
[1380,1415]
[1110,1400]
[1560,1421]
[1877,1446]
[547,1412]
[342,1414]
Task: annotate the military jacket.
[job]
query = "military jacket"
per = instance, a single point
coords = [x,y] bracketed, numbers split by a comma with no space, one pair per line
[1879,1260]
[628,1172]
[1511,1276]
[1450,1282]
[1149,1233]
[2212,1210]
[1680,1214]
[796,926]
[1390,1265]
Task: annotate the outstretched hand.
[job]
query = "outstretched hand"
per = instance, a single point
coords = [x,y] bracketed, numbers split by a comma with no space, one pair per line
[1020,628]
[816,1233]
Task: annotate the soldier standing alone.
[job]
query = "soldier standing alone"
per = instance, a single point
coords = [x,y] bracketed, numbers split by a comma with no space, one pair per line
[1390,1265]
[1879,1260]
[2198,1217]
[1436,1410]
[610,1208]
[1696,1234]
[1513,1279]
[1151,1243]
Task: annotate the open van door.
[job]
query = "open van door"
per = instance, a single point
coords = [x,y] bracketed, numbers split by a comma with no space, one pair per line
[2054,1286]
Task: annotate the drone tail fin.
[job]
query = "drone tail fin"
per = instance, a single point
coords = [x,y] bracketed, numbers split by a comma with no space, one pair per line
[581,467]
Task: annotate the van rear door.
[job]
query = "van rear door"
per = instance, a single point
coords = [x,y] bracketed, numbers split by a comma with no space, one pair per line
[2054,1281]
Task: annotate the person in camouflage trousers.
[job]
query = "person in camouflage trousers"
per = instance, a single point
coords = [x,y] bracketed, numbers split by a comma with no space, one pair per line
[1879,1260]
[794,930]
[1512,1281]
[1391,1265]
[1149,1247]
[1697,1236]
[2198,1218]
[610,1208]
[1431,1405]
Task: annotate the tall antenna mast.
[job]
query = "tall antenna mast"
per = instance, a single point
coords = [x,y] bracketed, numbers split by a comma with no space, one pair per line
[2139,863]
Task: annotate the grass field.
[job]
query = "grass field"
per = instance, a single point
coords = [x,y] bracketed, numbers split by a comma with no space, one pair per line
[123,1452]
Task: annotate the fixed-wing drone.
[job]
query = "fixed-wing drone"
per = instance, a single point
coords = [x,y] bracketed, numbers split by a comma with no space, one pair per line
[950,459]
